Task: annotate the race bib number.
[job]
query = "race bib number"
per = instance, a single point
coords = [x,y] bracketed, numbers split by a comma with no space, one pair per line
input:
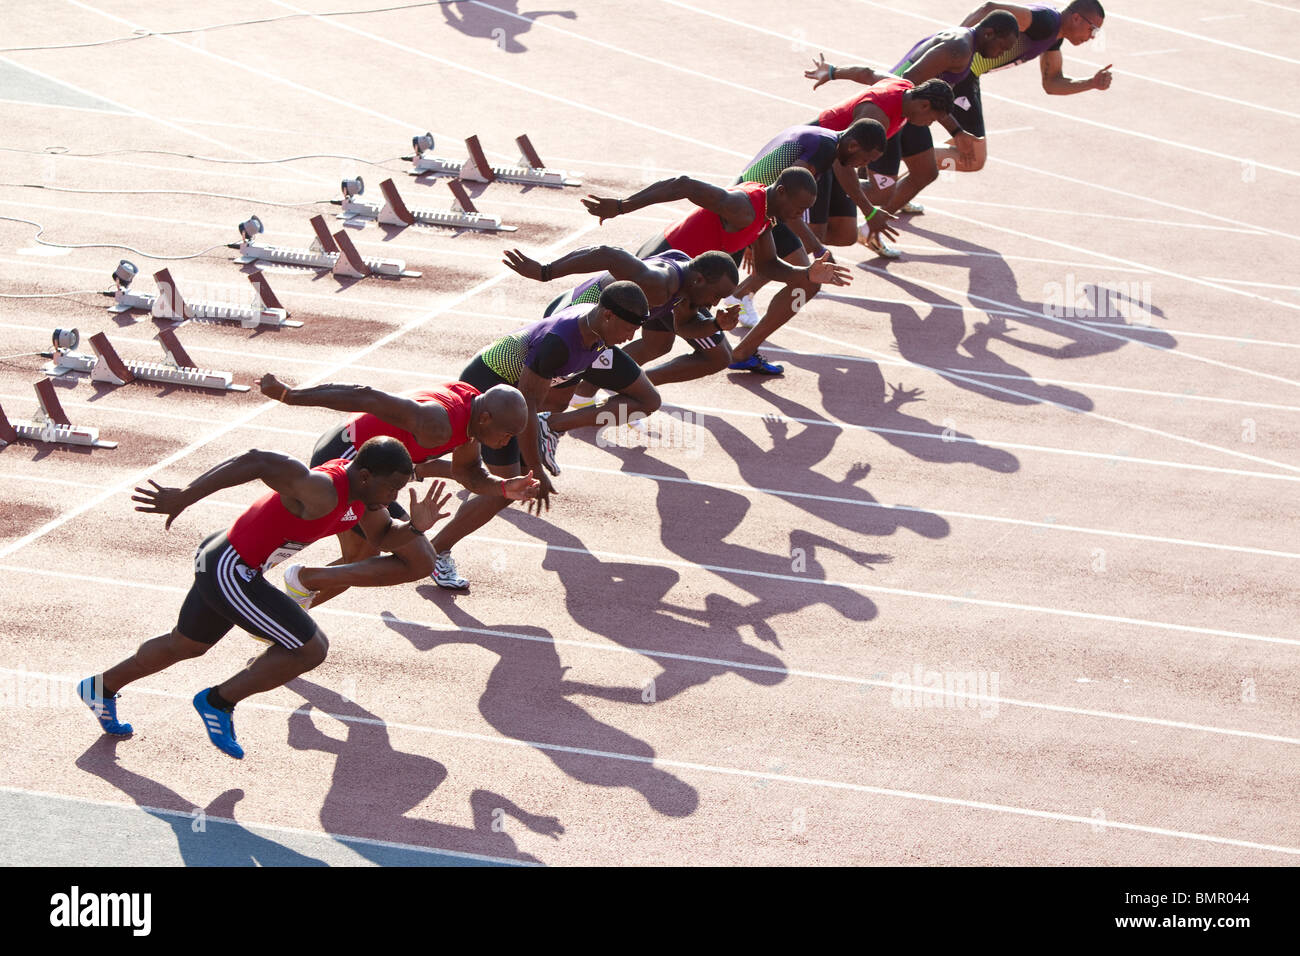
[962,101]
[882,182]
[286,550]
[604,360]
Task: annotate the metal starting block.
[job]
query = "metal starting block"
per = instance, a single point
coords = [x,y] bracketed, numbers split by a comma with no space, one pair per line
[394,211]
[334,252]
[177,368]
[168,303]
[530,171]
[51,424]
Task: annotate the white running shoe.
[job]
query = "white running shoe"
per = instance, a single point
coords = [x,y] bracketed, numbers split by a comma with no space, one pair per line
[294,588]
[547,439]
[444,573]
[876,244]
[913,209]
[749,316]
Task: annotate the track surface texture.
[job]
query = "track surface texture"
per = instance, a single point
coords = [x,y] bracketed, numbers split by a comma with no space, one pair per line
[971,583]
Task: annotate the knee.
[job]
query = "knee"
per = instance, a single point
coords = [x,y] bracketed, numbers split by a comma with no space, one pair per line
[650,401]
[419,564]
[313,653]
[719,357]
[973,165]
[925,175]
[842,233]
[184,648]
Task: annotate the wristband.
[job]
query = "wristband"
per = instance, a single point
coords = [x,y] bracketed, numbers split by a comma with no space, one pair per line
[546,272]
[620,207]
[874,210]
[830,72]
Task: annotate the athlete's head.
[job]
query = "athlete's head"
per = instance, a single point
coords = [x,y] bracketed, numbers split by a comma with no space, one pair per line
[929,101]
[497,416]
[621,311]
[996,34]
[381,468]
[794,191]
[710,277]
[1081,21]
[862,143]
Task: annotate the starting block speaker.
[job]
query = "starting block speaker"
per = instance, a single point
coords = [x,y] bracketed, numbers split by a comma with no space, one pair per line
[530,170]
[51,424]
[394,211]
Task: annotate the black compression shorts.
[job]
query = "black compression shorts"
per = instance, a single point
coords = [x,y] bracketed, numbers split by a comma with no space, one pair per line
[228,593]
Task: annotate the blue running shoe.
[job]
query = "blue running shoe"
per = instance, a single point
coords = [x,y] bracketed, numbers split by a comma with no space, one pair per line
[756,363]
[104,709]
[219,725]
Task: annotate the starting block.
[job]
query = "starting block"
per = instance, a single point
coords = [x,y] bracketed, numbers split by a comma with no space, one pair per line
[530,171]
[394,212]
[168,303]
[334,252]
[352,263]
[51,424]
[177,368]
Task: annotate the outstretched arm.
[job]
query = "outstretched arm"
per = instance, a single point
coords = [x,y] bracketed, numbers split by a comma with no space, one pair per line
[823,72]
[619,263]
[305,493]
[733,207]
[1057,84]
[429,423]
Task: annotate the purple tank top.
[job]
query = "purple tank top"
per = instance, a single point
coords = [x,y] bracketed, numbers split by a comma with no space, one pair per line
[566,324]
[914,54]
[1030,44]
[589,291]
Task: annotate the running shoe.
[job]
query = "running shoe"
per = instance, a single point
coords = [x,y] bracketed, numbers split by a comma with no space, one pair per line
[749,316]
[913,209]
[756,363]
[104,708]
[444,573]
[294,588]
[547,439]
[219,725]
[876,244]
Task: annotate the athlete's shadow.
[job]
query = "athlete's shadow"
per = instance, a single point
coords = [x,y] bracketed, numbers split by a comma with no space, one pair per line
[499,21]
[856,393]
[375,786]
[527,699]
[213,839]
[1070,310]
[695,522]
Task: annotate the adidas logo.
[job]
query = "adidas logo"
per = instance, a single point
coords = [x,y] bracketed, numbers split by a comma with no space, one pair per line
[351,514]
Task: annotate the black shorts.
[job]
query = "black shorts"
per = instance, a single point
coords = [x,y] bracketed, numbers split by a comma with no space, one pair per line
[338,443]
[665,324]
[908,141]
[228,593]
[971,118]
[832,200]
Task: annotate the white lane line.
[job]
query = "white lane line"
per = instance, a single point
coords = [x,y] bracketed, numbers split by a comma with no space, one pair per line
[1262,285]
[1077,213]
[664,762]
[1271,343]
[132,111]
[1204,39]
[1114,458]
[1199,93]
[409,326]
[962,377]
[1080,326]
[254,825]
[752,490]
[244,68]
[521,87]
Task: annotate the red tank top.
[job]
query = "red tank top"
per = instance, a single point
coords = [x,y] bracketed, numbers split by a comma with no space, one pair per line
[887,95]
[267,533]
[702,231]
[455,397]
